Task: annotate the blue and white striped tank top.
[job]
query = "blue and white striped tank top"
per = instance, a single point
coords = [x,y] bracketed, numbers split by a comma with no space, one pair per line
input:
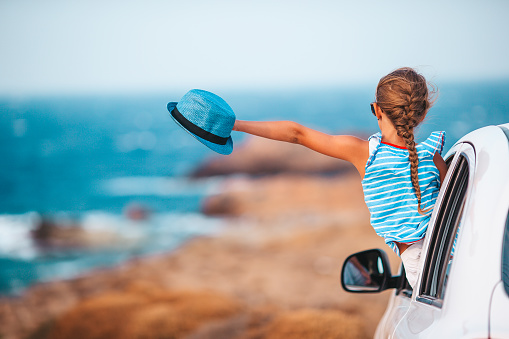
[389,193]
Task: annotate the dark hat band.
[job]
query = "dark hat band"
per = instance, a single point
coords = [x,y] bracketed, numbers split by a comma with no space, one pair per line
[196,130]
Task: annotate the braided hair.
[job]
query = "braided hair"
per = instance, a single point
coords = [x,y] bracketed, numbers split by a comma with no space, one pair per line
[404,97]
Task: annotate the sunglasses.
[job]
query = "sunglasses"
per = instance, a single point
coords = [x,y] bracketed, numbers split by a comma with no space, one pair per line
[373,109]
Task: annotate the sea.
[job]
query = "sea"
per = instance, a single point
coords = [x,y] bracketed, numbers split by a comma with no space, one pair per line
[117,167]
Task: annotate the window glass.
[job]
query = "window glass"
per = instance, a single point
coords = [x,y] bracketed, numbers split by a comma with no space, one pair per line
[449,262]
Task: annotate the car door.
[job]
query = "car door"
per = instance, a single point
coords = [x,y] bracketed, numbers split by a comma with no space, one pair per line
[424,308]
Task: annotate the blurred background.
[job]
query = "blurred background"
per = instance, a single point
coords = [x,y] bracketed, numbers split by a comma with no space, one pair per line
[94,172]
[105,47]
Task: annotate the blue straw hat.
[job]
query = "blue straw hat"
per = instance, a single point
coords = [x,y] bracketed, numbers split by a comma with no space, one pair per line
[206,117]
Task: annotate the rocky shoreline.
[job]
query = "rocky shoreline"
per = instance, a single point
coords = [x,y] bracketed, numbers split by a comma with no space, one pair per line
[272,273]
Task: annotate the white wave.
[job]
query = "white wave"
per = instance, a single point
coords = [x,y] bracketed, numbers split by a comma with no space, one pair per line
[169,222]
[15,238]
[160,231]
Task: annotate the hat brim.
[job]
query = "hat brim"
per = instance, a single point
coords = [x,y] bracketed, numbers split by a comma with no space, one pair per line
[221,149]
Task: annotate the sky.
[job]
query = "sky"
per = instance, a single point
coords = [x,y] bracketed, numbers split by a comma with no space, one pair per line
[73,46]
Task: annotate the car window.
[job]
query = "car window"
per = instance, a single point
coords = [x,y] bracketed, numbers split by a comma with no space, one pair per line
[443,238]
[505,257]
[451,256]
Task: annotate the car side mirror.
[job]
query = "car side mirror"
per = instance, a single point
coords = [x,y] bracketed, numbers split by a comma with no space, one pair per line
[367,272]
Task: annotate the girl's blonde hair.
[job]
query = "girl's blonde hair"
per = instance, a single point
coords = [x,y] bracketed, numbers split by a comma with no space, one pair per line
[404,97]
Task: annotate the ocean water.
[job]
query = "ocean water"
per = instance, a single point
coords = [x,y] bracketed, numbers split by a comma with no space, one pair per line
[88,161]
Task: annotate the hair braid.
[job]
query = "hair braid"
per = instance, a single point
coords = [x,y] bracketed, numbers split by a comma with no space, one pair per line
[407,134]
[403,96]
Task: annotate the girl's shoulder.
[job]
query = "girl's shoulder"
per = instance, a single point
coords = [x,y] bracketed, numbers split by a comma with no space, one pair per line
[433,144]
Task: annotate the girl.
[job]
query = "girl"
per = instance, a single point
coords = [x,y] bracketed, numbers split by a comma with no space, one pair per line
[400,179]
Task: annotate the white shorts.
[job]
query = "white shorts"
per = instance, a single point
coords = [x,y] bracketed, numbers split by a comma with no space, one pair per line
[411,258]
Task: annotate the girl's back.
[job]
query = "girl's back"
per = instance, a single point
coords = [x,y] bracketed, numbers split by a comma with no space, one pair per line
[389,191]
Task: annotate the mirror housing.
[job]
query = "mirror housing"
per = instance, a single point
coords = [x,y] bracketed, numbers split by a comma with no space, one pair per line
[367,272]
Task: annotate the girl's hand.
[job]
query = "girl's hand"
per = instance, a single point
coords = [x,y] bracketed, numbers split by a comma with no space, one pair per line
[345,147]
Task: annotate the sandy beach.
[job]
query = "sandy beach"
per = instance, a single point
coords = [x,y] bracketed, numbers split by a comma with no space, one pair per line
[273,272]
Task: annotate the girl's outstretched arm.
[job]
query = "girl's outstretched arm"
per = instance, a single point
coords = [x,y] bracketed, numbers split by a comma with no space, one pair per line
[346,147]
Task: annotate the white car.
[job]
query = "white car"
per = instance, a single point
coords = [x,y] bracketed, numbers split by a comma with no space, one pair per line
[462,293]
